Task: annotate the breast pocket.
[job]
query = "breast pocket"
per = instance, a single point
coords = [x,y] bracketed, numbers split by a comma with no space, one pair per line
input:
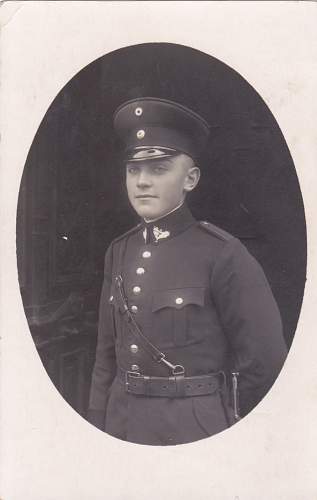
[173,312]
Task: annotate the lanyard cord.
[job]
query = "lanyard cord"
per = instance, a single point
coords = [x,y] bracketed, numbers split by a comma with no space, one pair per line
[150,348]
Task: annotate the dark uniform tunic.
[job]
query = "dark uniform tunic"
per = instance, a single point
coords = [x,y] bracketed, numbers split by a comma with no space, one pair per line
[203,300]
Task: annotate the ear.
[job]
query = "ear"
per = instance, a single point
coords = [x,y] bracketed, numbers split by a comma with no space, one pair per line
[192,178]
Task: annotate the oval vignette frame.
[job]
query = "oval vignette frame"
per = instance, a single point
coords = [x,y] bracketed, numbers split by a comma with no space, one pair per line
[72,200]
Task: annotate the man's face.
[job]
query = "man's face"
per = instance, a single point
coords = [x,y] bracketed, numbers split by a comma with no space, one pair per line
[156,187]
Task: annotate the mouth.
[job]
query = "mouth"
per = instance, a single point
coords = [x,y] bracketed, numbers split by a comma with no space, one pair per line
[144,196]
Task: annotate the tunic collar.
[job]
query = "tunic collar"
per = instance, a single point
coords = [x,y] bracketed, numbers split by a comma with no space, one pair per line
[167,226]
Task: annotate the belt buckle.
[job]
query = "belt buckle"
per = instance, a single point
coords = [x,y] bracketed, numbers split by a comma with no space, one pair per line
[133,374]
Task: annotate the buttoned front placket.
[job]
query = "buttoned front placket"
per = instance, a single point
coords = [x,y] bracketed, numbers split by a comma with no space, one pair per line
[141,273]
[138,288]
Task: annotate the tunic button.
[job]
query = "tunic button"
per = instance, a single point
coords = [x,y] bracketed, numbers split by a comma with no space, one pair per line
[179,300]
[138,111]
[111,298]
[146,254]
[134,309]
[135,368]
[136,289]
[140,270]
[134,348]
[140,134]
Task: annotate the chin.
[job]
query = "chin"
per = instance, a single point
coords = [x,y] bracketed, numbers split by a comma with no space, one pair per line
[145,211]
[146,214]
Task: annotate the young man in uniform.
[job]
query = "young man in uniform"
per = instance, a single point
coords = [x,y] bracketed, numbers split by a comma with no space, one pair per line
[188,326]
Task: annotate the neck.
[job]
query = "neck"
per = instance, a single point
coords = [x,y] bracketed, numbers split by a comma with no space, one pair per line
[164,215]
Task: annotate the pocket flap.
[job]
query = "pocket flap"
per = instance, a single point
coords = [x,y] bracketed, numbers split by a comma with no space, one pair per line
[178,298]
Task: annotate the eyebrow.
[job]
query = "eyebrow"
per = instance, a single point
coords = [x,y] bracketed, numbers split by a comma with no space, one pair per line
[150,162]
[164,160]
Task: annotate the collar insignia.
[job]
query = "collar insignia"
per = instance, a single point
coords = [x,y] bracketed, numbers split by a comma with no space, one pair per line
[160,234]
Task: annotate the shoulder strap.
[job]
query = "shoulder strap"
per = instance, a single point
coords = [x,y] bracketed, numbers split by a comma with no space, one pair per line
[215,231]
[127,233]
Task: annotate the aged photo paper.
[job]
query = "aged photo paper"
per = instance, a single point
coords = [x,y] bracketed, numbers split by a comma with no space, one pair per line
[50,452]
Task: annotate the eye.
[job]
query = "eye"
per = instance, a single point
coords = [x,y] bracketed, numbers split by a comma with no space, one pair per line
[132,169]
[159,169]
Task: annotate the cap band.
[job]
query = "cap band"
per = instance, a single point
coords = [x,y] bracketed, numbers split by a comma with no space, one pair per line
[166,138]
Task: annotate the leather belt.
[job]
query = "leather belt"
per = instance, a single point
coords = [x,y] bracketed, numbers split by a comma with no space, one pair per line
[171,387]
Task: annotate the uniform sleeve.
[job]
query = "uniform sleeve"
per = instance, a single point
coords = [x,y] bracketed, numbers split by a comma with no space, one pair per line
[251,320]
[105,363]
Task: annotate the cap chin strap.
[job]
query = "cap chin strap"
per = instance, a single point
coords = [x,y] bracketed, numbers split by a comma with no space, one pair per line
[141,153]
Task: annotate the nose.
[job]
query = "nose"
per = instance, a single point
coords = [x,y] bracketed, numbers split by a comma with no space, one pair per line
[144,179]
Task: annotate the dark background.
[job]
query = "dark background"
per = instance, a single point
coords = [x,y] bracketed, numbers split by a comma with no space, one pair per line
[72,199]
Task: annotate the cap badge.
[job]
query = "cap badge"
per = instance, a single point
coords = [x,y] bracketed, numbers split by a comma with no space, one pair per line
[140,134]
[138,111]
[160,234]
